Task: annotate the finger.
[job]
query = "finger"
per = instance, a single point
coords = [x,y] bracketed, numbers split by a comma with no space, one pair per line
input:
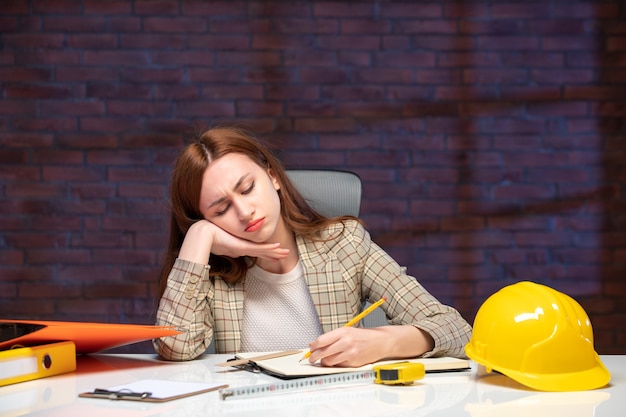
[275,255]
[280,254]
[324,346]
[333,357]
[332,360]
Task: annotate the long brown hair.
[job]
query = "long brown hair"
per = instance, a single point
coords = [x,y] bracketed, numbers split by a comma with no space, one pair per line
[185,188]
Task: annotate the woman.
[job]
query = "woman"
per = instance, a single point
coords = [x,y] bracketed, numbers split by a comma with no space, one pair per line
[252,266]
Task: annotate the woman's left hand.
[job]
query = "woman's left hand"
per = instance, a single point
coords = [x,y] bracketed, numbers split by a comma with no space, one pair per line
[347,347]
[354,347]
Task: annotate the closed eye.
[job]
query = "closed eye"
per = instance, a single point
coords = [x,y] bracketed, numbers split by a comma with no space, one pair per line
[244,192]
[223,211]
[249,189]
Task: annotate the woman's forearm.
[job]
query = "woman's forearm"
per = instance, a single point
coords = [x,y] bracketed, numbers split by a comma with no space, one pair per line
[183,306]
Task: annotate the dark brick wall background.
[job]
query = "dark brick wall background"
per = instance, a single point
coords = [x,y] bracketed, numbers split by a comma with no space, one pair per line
[489,135]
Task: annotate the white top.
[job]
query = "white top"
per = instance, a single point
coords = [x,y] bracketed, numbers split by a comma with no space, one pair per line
[278,313]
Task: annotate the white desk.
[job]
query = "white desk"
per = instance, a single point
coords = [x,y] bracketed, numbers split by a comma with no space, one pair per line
[446,394]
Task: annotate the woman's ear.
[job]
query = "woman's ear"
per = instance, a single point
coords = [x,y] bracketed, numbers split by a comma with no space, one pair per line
[270,172]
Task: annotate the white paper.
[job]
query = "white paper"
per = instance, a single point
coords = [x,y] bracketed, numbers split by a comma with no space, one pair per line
[161,389]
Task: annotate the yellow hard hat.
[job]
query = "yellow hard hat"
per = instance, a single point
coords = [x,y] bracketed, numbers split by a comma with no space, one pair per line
[539,337]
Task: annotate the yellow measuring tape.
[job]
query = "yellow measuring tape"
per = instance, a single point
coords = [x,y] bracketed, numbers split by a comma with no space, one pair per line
[402,373]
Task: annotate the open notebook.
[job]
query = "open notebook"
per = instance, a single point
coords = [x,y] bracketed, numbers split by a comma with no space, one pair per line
[289,366]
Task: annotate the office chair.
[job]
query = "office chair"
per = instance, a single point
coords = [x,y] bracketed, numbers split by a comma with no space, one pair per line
[334,193]
[331,193]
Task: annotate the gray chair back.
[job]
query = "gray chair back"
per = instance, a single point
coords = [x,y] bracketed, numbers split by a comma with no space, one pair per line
[331,193]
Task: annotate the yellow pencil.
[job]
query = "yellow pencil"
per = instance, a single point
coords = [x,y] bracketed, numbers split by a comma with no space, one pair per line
[356,319]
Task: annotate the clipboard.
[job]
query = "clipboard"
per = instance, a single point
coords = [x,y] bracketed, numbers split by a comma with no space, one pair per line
[153,390]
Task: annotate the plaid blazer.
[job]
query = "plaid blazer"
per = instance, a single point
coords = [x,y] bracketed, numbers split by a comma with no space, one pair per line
[342,270]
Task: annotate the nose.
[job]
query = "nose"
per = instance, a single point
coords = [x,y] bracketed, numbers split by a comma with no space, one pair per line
[244,211]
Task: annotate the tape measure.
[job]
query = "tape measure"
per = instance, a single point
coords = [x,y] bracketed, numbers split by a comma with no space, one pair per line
[297,385]
[402,373]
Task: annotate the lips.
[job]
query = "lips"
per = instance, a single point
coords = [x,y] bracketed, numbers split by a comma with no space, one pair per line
[255,225]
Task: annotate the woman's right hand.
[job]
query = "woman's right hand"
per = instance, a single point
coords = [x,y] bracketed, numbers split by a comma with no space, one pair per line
[204,238]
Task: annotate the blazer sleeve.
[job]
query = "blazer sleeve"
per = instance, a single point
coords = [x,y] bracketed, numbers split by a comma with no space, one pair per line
[184,305]
[408,302]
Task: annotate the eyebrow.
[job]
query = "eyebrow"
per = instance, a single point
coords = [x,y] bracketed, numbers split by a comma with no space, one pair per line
[222,199]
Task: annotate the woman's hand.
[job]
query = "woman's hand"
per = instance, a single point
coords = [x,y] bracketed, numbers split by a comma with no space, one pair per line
[228,245]
[354,347]
[204,238]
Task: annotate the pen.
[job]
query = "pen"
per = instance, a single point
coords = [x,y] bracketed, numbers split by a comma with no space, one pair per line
[355,320]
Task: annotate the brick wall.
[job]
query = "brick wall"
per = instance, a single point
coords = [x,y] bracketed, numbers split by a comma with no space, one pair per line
[490,137]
